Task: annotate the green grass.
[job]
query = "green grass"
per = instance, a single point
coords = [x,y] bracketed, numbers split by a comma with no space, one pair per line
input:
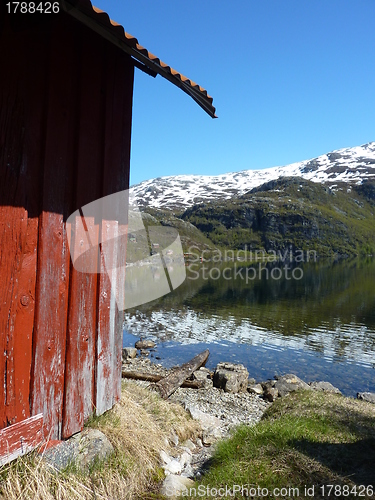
[306,439]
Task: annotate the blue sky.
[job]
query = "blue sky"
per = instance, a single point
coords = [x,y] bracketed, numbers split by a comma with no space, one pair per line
[291,79]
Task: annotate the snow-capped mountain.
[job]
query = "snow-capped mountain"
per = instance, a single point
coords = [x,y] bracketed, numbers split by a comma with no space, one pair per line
[348,165]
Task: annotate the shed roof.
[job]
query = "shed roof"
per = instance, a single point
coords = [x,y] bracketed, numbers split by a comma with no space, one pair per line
[100,22]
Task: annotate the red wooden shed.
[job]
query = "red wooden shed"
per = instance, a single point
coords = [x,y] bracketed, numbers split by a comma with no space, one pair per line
[65,127]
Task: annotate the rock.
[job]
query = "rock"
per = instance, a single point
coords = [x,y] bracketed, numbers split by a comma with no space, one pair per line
[93,445]
[187,450]
[165,457]
[173,467]
[366,396]
[324,387]
[210,374]
[189,445]
[203,375]
[207,421]
[270,393]
[61,455]
[231,377]
[82,448]
[251,381]
[188,471]
[255,389]
[174,486]
[199,443]
[289,383]
[129,352]
[174,439]
[211,435]
[145,344]
[185,459]
[144,352]
[211,425]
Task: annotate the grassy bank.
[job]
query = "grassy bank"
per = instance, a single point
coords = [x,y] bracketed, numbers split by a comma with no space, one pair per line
[306,439]
[138,427]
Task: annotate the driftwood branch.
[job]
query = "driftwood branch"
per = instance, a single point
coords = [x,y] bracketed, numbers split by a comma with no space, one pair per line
[148,377]
[168,385]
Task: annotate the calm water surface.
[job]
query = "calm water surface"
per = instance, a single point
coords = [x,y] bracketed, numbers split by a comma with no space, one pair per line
[320,327]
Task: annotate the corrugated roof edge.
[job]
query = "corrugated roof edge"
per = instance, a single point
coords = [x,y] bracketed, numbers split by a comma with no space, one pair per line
[100,22]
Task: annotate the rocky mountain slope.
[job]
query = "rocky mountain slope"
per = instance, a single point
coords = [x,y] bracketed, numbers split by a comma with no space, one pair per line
[326,204]
[292,212]
[339,169]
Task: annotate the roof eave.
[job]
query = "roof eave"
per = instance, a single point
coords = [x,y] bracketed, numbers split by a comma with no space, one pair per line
[91,20]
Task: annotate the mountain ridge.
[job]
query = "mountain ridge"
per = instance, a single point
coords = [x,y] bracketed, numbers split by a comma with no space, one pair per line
[337,169]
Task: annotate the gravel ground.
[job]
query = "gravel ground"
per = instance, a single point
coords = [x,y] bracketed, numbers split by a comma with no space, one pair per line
[230,409]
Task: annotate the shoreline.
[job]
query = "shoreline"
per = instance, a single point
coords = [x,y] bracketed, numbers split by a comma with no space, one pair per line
[263,360]
[219,412]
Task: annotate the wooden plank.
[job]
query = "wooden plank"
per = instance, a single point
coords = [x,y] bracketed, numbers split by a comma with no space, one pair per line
[106,319]
[13,228]
[24,323]
[21,99]
[13,225]
[80,351]
[119,75]
[21,438]
[47,383]
[116,179]
[79,396]
[176,378]
[148,377]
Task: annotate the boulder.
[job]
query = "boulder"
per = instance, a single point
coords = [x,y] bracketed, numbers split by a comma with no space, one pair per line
[82,449]
[289,383]
[270,393]
[367,396]
[211,435]
[231,377]
[145,344]
[324,387]
[211,425]
[60,456]
[255,389]
[203,375]
[129,352]
[207,421]
[93,445]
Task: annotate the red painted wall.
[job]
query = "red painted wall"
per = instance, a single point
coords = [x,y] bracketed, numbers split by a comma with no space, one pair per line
[65,128]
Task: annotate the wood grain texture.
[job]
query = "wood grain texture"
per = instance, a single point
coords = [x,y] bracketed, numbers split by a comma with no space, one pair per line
[118,115]
[79,394]
[47,384]
[21,438]
[168,385]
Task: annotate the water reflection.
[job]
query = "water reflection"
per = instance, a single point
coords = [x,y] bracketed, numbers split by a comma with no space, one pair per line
[328,314]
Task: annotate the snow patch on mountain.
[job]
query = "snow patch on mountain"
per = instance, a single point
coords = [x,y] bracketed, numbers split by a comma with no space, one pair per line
[348,165]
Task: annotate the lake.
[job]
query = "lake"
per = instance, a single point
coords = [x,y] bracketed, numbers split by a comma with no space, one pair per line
[316,320]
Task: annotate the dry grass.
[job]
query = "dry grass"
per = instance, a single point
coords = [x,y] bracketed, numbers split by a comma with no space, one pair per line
[138,427]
